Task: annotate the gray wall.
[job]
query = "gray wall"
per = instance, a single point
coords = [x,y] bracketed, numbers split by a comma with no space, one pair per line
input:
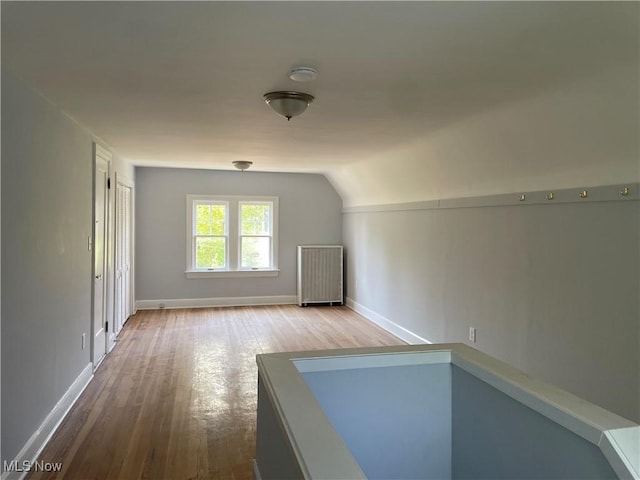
[46,266]
[274,455]
[396,421]
[496,437]
[551,289]
[309,212]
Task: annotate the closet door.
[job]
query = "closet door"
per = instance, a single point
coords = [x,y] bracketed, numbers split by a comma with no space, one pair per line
[99,325]
[123,280]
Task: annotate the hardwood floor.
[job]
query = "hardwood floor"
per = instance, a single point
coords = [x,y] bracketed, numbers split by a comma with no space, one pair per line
[176,398]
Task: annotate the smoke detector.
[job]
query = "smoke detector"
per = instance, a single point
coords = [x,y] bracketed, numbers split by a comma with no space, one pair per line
[303,74]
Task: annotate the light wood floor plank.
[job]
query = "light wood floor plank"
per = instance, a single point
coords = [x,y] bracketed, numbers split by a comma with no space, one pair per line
[176,398]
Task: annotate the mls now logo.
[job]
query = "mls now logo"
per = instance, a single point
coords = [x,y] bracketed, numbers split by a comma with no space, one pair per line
[28,466]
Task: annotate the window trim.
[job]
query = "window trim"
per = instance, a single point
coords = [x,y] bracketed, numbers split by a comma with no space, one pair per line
[233,269]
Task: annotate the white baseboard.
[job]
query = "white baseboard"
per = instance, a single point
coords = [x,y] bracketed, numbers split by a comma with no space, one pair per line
[391,327]
[256,470]
[215,302]
[112,341]
[43,434]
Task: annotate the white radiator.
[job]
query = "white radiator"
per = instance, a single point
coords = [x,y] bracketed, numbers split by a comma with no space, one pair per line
[320,274]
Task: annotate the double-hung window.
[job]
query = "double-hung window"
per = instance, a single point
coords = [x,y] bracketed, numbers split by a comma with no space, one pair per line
[256,234]
[211,234]
[231,236]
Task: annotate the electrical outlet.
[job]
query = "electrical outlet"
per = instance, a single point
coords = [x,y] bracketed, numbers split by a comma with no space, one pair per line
[84,341]
[472,334]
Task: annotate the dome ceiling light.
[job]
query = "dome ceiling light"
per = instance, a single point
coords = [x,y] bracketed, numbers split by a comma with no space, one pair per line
[288,104]
[242,165]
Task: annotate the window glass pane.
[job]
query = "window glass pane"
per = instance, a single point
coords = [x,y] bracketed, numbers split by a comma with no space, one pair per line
[210,219]
[255,219]
[210,252]
[256,252]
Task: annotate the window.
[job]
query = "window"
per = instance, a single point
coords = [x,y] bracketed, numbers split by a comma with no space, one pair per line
[211,234]
[255,234]
[231,236]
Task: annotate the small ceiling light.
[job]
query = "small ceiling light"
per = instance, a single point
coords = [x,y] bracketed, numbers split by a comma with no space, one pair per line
[242,164]
[288,104]
[303,74]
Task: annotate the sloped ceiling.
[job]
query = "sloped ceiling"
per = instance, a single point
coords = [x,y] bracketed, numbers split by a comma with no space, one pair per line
[414,100]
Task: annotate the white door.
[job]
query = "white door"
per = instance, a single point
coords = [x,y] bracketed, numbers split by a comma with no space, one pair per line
[100,238]
[123,296]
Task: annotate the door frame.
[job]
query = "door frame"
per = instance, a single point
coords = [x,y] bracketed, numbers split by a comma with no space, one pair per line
[101,153]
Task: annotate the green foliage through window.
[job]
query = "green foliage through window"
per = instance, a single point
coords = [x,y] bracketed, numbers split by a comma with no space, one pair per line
[256,219]
[210,252]
[210,219]
[210,231]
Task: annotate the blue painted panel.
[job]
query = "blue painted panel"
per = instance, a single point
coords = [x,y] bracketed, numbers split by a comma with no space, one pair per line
[396,421]
[496,437]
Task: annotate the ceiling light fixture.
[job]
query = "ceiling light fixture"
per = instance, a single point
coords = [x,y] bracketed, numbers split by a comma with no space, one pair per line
[303,74]
[242,164]
[288,104]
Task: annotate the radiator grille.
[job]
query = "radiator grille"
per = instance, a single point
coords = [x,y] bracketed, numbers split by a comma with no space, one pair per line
[320,274]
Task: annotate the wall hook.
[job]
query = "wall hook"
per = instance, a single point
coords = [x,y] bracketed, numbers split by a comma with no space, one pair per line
[550,196]
[522,197]
[583,194]
[624,192]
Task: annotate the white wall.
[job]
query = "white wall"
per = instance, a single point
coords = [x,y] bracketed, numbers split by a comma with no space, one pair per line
[585,133]
[551,288]
[46,265]
[309,213]
[123,168]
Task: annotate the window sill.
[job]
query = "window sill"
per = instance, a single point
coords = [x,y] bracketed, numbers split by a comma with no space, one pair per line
[231,273]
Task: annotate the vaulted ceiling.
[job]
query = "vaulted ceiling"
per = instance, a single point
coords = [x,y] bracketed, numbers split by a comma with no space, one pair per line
[411,97]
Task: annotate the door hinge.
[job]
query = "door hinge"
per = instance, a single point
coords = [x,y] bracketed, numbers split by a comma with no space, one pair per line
[106,327]
[109,183]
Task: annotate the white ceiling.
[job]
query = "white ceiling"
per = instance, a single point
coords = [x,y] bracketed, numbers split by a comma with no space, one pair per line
[181,84]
